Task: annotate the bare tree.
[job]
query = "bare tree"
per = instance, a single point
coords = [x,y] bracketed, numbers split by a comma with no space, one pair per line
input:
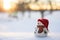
[20,7]
[50,3]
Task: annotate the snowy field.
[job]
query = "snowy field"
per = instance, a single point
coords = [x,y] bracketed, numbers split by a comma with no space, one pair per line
[23,27]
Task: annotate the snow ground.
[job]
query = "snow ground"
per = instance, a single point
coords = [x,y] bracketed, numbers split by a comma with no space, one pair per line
[27,36]
[23,27]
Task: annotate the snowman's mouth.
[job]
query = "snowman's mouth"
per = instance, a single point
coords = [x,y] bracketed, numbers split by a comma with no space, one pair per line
[40,28]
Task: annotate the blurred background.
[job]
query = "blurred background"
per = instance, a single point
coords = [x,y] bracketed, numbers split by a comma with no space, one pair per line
[14,6]
[23,5]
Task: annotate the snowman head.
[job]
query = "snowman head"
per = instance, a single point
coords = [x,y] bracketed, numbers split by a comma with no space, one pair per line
[43,23]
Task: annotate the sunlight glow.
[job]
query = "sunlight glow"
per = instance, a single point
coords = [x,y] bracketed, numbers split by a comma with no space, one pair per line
[8,4]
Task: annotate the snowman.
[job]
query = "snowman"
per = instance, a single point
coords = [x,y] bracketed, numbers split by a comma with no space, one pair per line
[41,29]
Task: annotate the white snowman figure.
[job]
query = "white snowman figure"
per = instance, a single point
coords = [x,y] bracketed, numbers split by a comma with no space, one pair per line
[42,28]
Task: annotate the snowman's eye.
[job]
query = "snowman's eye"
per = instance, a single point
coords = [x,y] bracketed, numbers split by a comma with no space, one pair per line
[38,23]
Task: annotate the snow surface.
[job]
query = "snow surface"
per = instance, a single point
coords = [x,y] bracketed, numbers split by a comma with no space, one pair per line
[23,27]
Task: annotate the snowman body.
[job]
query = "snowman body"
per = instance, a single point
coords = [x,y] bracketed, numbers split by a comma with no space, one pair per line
[42,33]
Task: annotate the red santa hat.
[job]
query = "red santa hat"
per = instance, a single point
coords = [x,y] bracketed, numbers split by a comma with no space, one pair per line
[44,22]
